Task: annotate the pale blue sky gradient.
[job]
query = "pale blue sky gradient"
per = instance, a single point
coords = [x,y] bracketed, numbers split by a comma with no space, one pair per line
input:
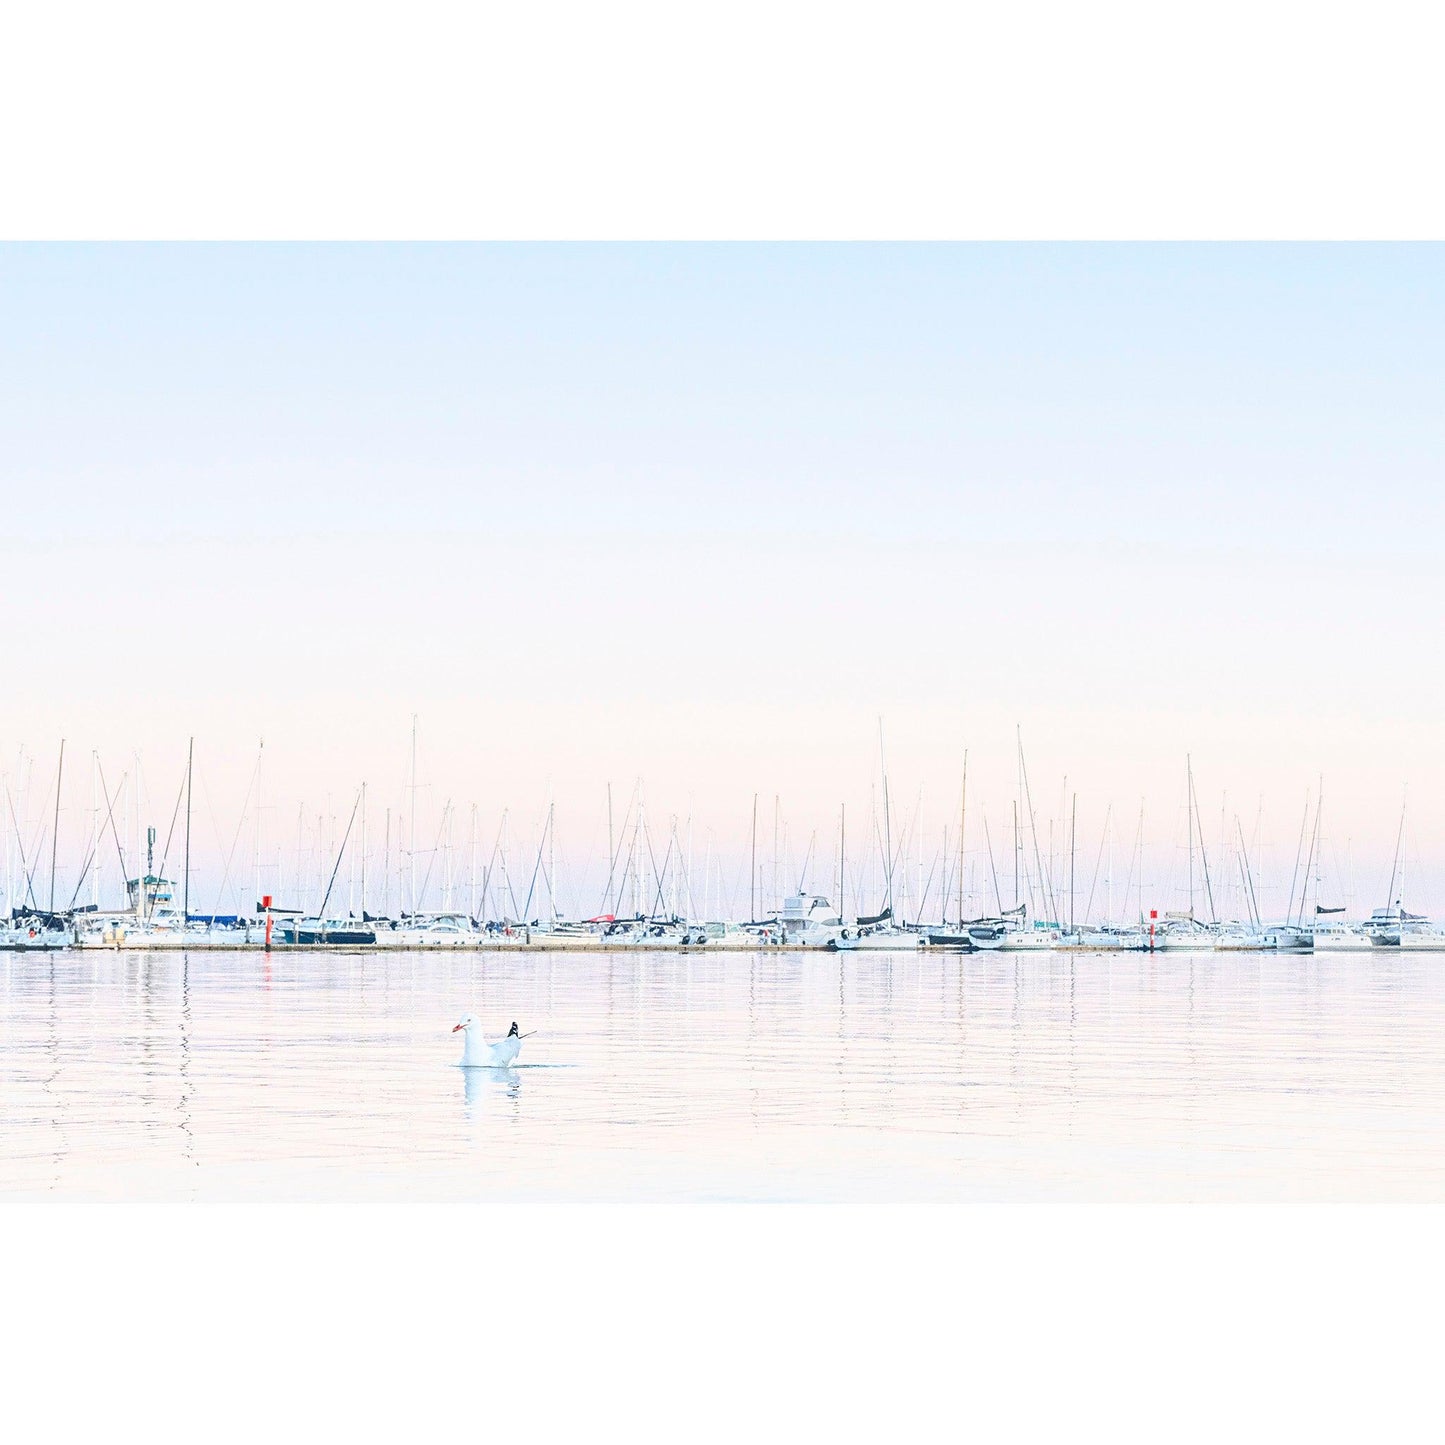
[701,513]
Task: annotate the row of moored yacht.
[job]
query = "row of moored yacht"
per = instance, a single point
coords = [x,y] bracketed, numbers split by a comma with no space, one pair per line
[806,920]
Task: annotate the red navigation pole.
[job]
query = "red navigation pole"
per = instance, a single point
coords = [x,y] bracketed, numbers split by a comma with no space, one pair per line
[266,904]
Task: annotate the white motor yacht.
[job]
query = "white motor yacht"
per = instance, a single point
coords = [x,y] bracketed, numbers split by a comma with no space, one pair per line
[1267,938]
[33,931]
[1184,931]
[877,938]
[438,930]
[808,920]
[1340,935]
[1398,928]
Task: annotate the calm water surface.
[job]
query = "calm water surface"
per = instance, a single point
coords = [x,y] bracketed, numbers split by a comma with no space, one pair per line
[723,1077]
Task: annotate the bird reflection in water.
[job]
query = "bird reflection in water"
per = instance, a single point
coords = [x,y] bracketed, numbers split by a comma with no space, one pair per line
[482,1085]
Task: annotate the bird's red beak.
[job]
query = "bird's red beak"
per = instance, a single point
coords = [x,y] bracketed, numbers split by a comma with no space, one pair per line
[459,1026]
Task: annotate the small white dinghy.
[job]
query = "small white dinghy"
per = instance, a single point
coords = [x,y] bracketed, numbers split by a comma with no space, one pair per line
[477,1053]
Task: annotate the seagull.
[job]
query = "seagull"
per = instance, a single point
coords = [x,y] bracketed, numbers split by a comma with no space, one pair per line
[477,1053]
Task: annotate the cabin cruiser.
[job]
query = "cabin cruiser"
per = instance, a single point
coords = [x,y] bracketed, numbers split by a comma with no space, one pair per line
[988,933]
[1267,938]
[740,936]
[956,940]
[570,932]
[1398,928]
[326,933]
[1184,931]
[1035,937]
[1339,935]
[28,929]
[1105,939]
[878,936]
[438,930]
[808,920]
[647,933]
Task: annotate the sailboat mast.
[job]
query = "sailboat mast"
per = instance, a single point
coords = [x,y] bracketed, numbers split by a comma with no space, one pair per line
[777,824]
[1248,876]
[962,817]
[611,855]
[753,868]
[411,847]
[1203,854]
[1046,889]
[1390,902]
[1109,877]
[55,831]
[1319,844]
[552,859]
[186,876]
[887,826]
[1073,824]
[1299,854]
[94,829]
[472,867]
[639,832]
[256,832]
[1189,823]
[1016,854]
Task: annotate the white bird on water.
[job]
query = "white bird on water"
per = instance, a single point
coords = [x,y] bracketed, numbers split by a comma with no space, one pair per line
[477,1053]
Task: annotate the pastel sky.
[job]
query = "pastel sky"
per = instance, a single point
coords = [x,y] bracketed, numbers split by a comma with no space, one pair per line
[700,515]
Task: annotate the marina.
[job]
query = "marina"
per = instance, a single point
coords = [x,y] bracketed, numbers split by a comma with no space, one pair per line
[658,898]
